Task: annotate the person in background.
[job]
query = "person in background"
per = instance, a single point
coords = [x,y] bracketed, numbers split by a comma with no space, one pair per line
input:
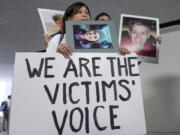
[58,20]
[5,108]
[75,12]
[103,17]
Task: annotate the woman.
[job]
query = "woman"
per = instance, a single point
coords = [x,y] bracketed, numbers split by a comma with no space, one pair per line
[97,37]
[76,12]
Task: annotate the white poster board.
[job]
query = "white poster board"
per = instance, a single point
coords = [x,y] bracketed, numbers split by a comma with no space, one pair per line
[91,93]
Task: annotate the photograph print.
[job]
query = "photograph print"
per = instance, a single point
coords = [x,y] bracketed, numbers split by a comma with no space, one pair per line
[138,35]
[91,36]
[51,20]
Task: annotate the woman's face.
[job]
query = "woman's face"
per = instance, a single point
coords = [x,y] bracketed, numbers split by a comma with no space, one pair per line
[81,15]
[91,36]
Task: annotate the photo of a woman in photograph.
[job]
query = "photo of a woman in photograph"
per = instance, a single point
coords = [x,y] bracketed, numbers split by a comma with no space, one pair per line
[92,36]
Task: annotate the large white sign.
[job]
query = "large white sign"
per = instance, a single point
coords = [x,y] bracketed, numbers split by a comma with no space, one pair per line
[91,93]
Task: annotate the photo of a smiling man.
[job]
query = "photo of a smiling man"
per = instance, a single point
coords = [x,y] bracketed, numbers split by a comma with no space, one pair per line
[139,35]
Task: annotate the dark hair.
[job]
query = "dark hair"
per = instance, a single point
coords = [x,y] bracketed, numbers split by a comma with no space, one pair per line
[102,14]
[147,23]
[9,97]
[77,29]
[71,11]
[57,17]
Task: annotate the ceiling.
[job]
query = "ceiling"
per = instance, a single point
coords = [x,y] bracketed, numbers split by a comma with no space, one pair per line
[21,29]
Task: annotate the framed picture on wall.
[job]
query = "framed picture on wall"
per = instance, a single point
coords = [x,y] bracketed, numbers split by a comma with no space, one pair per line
[92,36]
[49,19]
[138,35]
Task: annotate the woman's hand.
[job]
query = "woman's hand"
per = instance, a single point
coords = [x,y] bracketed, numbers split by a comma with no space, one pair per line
[46,38]
[65,50]
[159,39]
[124,51]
